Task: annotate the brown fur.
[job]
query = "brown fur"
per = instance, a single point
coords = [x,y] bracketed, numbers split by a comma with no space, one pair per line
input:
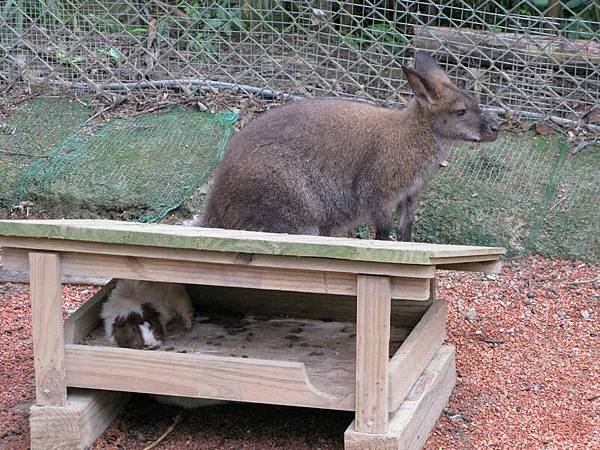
[320,166]
[126,330]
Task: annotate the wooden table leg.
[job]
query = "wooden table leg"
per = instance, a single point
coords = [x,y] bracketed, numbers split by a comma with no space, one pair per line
[47,329]
[372,353]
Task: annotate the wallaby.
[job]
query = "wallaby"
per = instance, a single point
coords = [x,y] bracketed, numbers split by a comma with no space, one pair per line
[319,167]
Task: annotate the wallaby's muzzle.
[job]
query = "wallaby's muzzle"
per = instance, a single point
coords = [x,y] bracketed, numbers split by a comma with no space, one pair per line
[489,128]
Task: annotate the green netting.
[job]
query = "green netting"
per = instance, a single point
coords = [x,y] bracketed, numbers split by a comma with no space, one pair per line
[521,192]
[150,164]
[30,132]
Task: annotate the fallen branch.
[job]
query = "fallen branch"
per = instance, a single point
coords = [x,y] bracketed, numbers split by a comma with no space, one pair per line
[582,145]
[510,48]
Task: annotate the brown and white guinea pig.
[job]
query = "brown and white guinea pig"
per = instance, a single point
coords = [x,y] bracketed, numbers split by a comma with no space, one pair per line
[136,312]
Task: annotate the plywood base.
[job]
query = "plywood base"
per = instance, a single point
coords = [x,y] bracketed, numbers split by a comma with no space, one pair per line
[411,424]
[76,425]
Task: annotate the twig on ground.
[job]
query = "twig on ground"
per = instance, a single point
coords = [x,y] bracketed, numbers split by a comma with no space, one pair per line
[492,341]
[578,282]
[583,145]
[102,111]
[78,100]
[31,155]
[154,444]
[562,199]
[155,108]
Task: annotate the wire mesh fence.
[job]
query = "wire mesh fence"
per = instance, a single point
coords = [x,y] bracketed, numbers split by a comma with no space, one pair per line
[529,58]
[537,58]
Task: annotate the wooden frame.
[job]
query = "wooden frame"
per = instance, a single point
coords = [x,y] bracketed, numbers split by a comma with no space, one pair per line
[264,380]
[379,286]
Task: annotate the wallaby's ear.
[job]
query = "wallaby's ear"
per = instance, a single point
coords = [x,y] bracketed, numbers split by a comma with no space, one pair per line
[419,86]
[429,69]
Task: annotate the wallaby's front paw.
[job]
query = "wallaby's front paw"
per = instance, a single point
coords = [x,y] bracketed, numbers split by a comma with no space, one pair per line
[187,324]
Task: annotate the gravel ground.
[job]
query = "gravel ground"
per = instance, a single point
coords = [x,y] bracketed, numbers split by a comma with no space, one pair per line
[528,358]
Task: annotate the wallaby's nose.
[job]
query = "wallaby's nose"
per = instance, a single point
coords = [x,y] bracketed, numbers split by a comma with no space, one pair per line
[494,126]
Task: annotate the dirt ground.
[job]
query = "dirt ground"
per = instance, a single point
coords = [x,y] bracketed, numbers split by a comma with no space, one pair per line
[528,359]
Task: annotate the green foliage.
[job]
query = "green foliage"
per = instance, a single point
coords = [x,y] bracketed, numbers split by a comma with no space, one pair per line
[213,27]
[49,13]
[384,34]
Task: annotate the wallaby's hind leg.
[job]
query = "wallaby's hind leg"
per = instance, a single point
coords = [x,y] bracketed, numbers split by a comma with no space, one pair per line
[405,212]
[383,224]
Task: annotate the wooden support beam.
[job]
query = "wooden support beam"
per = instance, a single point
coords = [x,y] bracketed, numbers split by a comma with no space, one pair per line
[372,353]
[229,275]
[78,423]
[411,424]
[47,329]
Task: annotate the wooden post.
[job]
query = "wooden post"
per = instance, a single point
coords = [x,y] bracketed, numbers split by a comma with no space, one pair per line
[372,353]
[47,329]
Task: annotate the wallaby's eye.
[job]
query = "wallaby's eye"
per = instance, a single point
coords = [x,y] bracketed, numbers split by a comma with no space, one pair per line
[461,112]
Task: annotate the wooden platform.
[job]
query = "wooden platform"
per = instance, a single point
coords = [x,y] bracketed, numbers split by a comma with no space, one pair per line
[296,320]
[263,359]
[249,242]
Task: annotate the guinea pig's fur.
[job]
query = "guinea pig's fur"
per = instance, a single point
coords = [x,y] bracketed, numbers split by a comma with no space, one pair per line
[137,312]
[185,402]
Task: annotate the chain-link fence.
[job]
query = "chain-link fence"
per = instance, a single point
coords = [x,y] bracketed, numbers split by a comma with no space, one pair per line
[530,58]
[538,58]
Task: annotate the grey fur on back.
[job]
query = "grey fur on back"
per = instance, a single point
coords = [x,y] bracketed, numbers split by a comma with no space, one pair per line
[322,166]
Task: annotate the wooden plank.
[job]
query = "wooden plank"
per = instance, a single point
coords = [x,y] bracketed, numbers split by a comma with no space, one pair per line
[463,259]
[424,404]
[206,239]
[78,423]
[170,270]
[405,313]
[197,376]
[87,317]
[410,288]
[372,341]
[283,262]
[211,274]
[483,266]
[416,352]
[47,329]
[410,426]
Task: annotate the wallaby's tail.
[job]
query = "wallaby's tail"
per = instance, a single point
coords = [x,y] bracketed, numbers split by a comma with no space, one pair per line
[195,221]
[203,221]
